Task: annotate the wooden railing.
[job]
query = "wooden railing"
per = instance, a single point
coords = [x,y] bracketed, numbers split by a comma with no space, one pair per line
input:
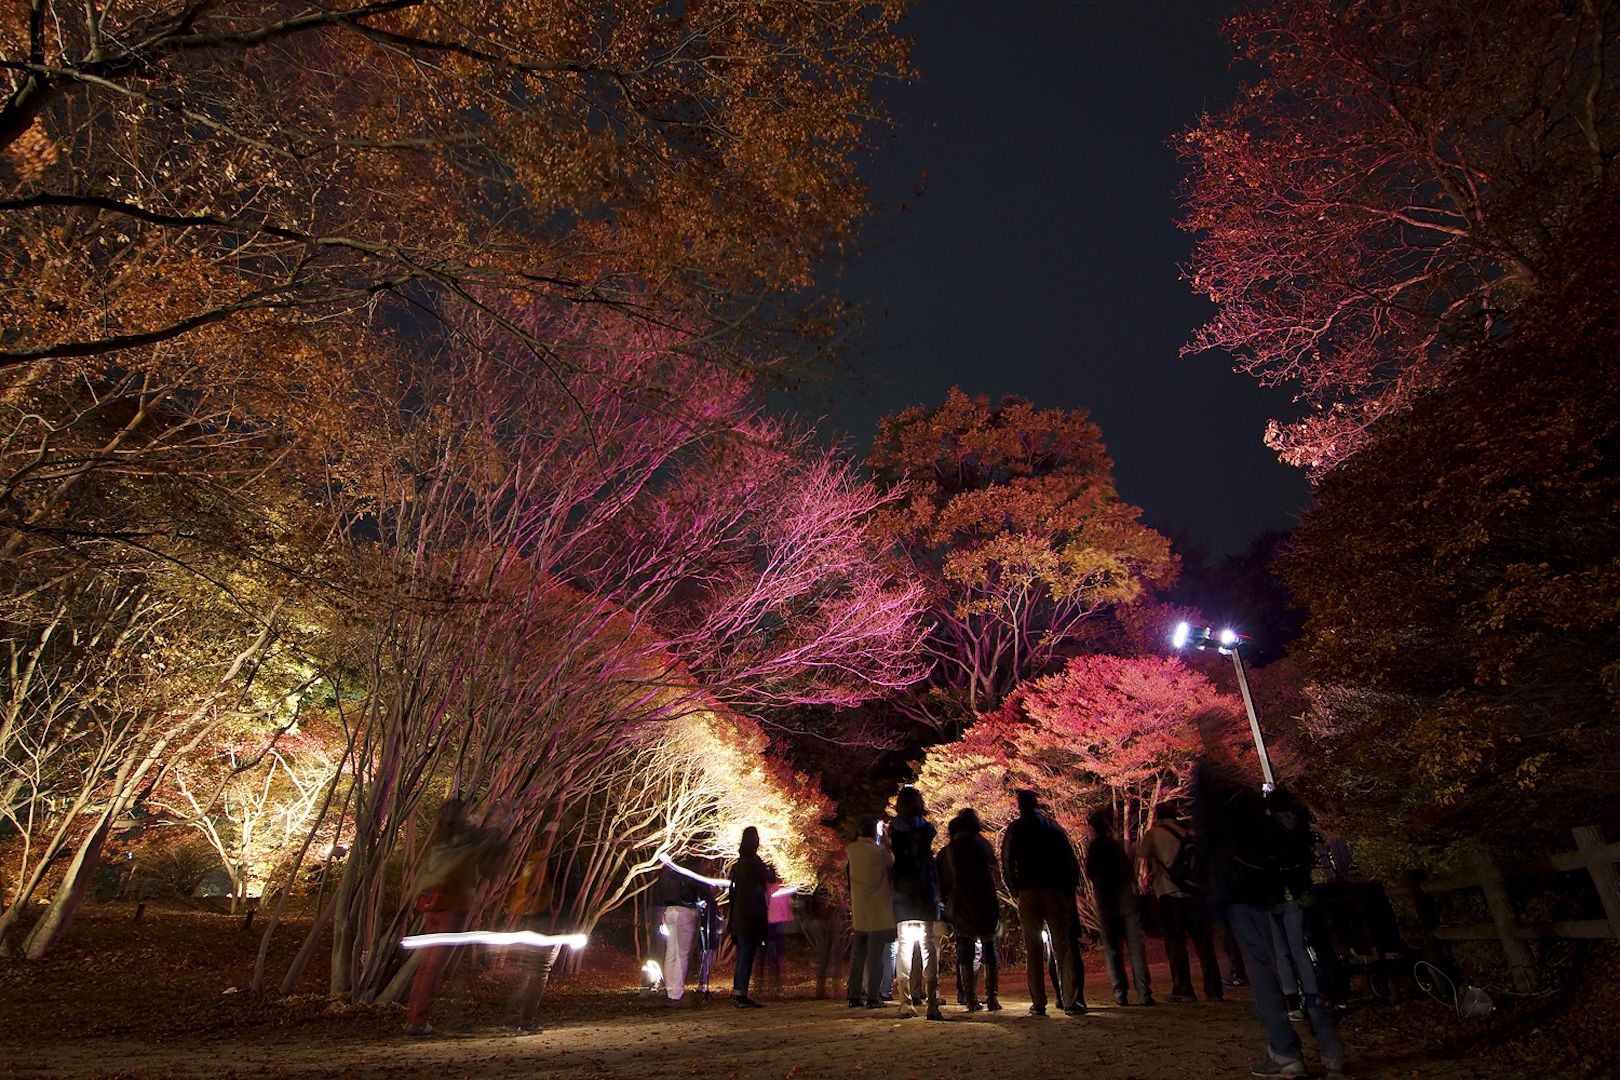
[1591,855]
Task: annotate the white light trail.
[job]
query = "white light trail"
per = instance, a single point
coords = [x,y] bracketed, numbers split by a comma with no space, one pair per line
[719,883]
[489,937]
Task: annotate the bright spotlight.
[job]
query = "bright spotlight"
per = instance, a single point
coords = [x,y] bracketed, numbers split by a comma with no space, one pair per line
[1183,631]
[1228,636]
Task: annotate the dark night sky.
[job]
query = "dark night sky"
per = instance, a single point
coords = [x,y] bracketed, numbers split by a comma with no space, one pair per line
[1041,256]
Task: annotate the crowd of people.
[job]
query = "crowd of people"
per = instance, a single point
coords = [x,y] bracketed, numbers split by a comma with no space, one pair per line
[1241,866]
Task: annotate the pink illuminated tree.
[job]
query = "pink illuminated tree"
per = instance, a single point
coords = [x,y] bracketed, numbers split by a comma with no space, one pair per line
[555,573]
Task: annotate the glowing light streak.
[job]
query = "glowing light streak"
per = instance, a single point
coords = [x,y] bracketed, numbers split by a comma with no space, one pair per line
[719,883]
[652,973]
[786,890]
[489,937]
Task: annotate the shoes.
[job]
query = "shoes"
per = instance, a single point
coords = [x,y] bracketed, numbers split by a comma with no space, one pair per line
[975,1005]
[1037,1010]
[877,1003]
[743,1001]
[417,1031]
[992,1003]
[1333,1069]
[1147,999]
[1270,1066]
[1296,1016]
[907,1011]
[934,1013]
[1234,980]
[527,1027]
[1078,1008]
[1182,999]
[857,1003]
[1121,998]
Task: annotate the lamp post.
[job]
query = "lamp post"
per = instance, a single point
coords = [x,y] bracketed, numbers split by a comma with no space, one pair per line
[1228,643]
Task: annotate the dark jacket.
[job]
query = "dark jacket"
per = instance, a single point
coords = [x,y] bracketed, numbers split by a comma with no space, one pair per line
[1036,854]
[1110,871]
[751,876]
[1242,846]
[675,889]
[967,884]
[916,889]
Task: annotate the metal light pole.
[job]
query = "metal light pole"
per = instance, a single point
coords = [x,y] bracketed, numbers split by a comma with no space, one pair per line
[1227,644]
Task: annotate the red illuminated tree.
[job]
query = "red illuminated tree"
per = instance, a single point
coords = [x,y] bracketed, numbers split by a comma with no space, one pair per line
[1011,519]
[1103,731]
[1397,178]
[1461,646]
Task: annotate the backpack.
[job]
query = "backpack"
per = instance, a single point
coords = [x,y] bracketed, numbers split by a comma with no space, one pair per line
[1187,871]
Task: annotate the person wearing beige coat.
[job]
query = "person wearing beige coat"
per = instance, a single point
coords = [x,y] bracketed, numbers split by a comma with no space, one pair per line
[871,913]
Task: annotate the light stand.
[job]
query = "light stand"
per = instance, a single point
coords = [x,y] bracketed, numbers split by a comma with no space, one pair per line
[1228,643]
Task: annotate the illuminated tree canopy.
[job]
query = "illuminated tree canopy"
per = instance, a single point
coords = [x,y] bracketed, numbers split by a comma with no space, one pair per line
[1011,519]
[1396,179]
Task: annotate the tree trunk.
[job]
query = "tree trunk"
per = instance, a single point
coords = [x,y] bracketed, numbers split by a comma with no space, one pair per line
[65,904]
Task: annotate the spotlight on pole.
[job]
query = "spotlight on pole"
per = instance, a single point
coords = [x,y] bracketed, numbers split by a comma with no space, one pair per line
[1229,642]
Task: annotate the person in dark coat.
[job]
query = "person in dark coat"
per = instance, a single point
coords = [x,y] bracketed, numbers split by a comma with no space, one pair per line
[1112,874]
[1247,857]
[967,885]
[916,900]
[751,877]
[1040,868]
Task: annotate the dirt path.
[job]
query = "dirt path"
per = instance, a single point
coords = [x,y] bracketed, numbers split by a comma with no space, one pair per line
[156,999]
[795,1040]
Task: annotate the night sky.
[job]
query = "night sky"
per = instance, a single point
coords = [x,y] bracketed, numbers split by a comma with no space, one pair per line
[1040,257]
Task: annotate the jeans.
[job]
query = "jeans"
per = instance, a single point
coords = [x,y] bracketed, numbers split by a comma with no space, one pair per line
[1183,918]
[536,974]
[1120,921]
[868,956]
[1222,923]
[1253,926]
[743,970]
[680,927]
[914,934]
[1051,909]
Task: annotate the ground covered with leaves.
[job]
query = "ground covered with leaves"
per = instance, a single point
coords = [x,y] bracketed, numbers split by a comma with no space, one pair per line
[156,999]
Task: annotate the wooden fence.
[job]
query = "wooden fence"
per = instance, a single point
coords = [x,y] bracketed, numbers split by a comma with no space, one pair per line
[1592,855]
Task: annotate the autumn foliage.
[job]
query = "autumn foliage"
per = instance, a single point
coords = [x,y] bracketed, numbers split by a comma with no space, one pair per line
[398,359]
[1396,179]
[1463,614]
[1011,520]
[1104,731]
[170,169]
